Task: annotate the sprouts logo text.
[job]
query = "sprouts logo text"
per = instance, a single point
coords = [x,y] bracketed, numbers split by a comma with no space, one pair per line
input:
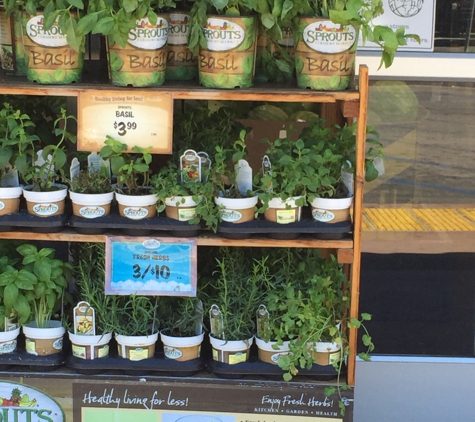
[178,30]
[222,35]
[327,37]
[148,36]
[53,37]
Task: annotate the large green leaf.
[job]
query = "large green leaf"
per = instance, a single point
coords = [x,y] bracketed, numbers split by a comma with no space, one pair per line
[10,295]
[116,61]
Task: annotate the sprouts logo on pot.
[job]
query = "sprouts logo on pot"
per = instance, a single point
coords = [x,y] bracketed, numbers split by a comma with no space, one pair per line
[148,36]
[54,37]
[329,37]
[178,30]
[92,212]
[222,35]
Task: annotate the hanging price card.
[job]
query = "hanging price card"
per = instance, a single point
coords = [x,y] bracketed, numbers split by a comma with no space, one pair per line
[136,118]
[151,266]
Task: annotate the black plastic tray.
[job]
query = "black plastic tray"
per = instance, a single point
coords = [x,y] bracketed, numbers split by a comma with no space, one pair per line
[157,364]
[33,362]
[273,230]
[23,220]
[133,227]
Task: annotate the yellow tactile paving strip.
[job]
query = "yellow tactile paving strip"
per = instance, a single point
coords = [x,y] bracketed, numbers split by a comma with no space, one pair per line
[419,219]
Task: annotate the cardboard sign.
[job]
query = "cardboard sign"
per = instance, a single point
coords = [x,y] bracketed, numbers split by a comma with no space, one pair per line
[151,266]
[136,118]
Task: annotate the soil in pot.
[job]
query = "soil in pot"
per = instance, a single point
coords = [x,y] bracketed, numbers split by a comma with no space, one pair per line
[228,60]
[44,341]
[230,352]
[10,200]
[325,54]
[45,204]
[143,60]
[181,349]
[90,347]
[136,347]
[91,205]
[8,341]
[49,58]
[182,64]
[267,353]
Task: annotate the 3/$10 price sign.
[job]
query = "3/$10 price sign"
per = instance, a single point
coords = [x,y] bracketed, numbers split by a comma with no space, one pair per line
[136,118]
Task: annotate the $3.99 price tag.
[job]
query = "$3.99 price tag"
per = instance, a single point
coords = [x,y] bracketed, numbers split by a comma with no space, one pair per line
[136,118]
[151,266]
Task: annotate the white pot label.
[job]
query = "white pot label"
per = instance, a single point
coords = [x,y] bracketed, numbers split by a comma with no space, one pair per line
[135,213]
[138,354]
[334,358]
[45,209]
[103,351]
[237,358]
[2,205]
[148,36]
[285,216]
[223,35]
[172,352]
[8,346]
[52,38]
[230,216]
[79,351]
[275,357]
[178,29]
[58,344]
[329,37]
[186,214]
[92,212]
[322,215]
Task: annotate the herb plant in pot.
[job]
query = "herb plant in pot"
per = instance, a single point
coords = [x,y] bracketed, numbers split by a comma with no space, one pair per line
[231,183]
[45,198]
[136,326]
[91,193]
[183,332]
[326,37]
[137,34]
[224,35]
[133,182]
[93,317]
[16,134]
[54,35]
[237,290]
[48,278]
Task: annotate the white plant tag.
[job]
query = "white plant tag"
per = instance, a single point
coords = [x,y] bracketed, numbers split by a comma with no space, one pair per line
[199,318]
[262,321]
[84,319]
[10,179]
[205,164]
[40,161]
[190,166]
[348,180]
[74,169]
[216,322]
[96,164]
[243,176]
[379,165]
[282,134]
[266,168]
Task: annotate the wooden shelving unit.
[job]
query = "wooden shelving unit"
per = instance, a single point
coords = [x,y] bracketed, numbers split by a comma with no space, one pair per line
[351,104]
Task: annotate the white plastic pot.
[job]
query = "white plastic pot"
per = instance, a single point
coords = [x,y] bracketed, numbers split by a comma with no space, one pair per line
[45,204]
[283,212]
[236,210]
[267,353]
[325,353]
[137,207]
[232,351]
[136,347]
[184,211]
[90,347]
[181,348]
[10,200]
[44,341]
[91,205]
[331,210]
[8,340]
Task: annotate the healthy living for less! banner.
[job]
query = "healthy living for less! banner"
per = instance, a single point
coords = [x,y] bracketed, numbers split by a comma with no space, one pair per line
[216,401]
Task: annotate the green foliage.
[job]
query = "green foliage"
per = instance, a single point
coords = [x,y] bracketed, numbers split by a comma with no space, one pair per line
[89,273]
[35,287]
[135,315]
[90,182]
[122,78]
[181,317]
[132,170]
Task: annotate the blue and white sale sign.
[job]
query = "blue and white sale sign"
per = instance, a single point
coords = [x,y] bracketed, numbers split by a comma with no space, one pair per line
[151,266]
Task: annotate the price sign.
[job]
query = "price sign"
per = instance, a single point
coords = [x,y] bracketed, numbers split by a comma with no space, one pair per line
[151,266]
[136,118]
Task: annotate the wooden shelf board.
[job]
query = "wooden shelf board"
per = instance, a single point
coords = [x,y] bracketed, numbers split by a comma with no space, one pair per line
[206,240]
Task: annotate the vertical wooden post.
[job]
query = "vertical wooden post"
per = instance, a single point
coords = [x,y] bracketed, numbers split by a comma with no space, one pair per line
[357,216]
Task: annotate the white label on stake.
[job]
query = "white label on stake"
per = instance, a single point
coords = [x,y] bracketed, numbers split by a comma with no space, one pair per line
[243,176]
